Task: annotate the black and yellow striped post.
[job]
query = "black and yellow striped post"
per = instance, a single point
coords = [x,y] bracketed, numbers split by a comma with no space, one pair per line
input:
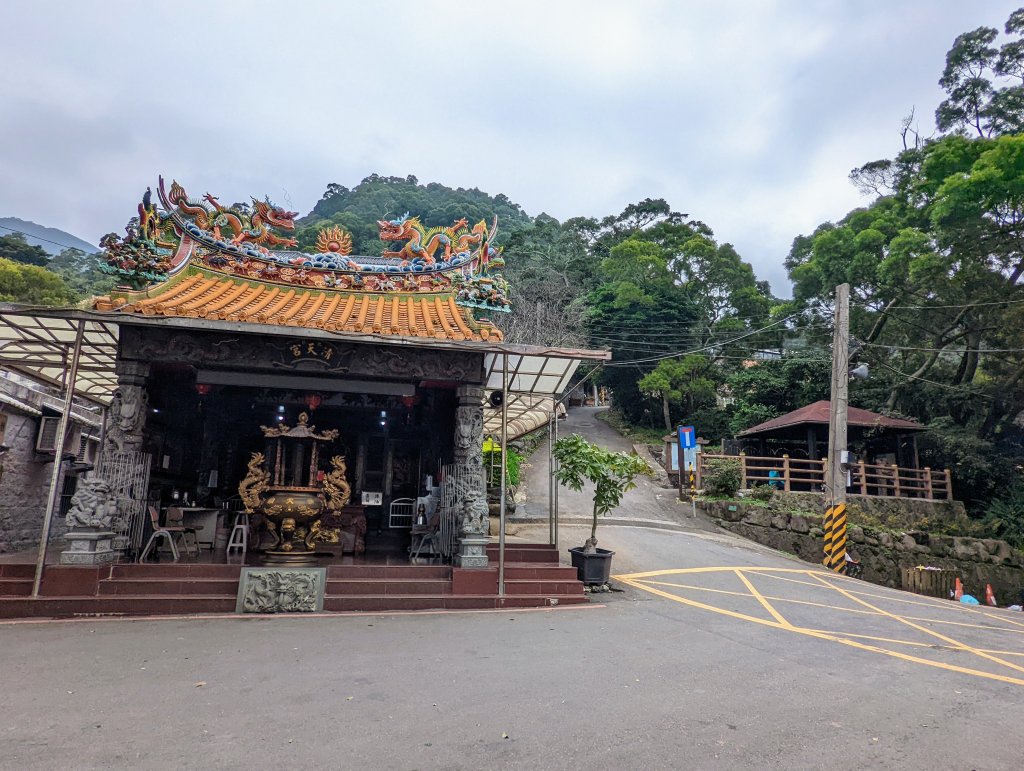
[835,538]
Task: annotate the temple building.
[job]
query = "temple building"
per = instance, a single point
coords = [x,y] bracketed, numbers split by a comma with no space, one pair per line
[336,404]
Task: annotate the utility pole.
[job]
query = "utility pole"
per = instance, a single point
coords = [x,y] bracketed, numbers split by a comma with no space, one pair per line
[835,482]
[839,398]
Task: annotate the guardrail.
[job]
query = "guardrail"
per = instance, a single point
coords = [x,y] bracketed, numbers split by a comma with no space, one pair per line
[804,475]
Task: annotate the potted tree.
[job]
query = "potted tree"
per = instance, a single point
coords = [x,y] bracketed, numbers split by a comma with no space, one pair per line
[613,474]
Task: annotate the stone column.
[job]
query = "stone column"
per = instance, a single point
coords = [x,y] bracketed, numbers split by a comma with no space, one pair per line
[469,437]
[128,408]
[125,420]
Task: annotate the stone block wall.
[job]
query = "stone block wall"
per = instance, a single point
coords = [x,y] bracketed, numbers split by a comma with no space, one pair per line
[882,553]
[24,483]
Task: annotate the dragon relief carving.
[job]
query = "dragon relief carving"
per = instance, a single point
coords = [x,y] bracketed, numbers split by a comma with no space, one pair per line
[336,486]
[256,482]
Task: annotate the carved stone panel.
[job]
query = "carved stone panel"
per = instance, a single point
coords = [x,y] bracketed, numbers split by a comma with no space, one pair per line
[218,350]
[281,590]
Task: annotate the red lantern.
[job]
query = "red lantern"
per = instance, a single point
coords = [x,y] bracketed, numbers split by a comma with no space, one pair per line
[313,401]
[203,388]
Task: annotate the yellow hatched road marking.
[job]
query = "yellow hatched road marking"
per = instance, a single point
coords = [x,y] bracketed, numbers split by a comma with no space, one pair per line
[920,628]
[832,607]
[821,635]
[760,598]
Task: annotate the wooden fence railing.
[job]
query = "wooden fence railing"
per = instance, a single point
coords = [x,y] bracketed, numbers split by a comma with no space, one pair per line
[803,475]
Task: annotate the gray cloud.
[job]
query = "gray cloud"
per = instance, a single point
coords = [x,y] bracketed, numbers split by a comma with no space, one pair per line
[746,115]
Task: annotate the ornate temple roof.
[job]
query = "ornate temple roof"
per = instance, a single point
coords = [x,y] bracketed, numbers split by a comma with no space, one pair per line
[198,259]
[405,314]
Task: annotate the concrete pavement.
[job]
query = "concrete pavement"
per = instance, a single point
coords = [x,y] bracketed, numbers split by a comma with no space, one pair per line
[717,653]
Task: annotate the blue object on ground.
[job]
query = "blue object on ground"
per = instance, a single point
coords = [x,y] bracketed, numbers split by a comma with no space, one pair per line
[969,600]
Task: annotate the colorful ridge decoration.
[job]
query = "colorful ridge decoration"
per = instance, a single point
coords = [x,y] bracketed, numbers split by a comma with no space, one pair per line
[246,250]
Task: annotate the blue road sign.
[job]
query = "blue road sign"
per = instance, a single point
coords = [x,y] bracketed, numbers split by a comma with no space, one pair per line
[687,437]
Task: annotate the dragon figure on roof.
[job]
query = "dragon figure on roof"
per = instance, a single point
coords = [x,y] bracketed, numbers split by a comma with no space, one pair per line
[255,242]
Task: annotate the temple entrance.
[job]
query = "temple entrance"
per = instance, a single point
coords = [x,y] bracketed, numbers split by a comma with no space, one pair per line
[392,435]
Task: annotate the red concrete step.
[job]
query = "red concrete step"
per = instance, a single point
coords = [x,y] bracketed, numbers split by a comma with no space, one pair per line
[15,587]
[211,587]
[174,570]
[375,603]
[124,605]
[370,572]
[540,571]
[388,586]
[543,588]
[526,553]
[17,570]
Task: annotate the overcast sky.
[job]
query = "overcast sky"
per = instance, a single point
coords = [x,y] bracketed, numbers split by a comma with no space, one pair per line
[746,115]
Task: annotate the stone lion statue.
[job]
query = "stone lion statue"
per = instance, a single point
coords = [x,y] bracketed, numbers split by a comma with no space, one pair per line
[92,505]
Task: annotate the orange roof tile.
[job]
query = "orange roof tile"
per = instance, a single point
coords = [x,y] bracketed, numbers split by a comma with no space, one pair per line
[394,314]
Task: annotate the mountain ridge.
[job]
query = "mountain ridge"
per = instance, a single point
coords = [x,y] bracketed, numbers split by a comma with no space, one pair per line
[52,240]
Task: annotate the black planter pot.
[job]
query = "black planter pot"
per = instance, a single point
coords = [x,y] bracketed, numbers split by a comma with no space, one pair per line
[592,569]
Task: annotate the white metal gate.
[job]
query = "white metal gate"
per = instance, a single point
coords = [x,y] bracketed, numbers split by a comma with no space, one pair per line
[128,475]
[458,482]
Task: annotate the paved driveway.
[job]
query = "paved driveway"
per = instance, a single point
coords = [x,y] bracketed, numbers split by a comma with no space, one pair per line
[717,654]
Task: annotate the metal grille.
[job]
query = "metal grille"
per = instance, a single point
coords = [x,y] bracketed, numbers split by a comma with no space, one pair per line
[128,475]
[458,482]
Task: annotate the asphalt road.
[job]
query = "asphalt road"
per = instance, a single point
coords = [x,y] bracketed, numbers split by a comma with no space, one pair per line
[689,669]
[716,653]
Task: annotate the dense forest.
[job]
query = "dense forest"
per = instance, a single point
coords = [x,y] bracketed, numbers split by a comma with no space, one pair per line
[935,262]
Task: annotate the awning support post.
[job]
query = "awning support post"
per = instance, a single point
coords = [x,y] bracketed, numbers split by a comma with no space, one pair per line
[62,431]
[551,479]
[504,475]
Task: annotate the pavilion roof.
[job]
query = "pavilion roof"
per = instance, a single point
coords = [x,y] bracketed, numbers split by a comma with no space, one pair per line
[818,414]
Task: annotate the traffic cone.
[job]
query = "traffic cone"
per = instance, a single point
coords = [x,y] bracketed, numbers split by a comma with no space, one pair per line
[958,592]
[990,597]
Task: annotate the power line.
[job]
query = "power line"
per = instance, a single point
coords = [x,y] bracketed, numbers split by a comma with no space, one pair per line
[961,389]
[937,307]
[945,350]
[697,350]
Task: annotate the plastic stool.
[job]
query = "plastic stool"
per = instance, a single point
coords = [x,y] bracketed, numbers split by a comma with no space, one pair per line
[239,533]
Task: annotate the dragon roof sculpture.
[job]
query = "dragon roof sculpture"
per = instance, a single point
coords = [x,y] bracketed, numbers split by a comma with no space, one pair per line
[189,237]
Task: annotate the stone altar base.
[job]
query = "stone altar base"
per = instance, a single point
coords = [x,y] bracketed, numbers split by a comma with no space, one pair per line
[88,547]
[473,551]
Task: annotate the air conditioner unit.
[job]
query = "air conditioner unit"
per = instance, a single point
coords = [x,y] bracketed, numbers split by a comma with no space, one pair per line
[46,439]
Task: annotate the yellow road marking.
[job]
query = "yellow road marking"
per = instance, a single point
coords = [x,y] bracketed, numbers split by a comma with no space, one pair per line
[1000,618]
[773,598]
[822,635]
[911,624]
[760,598]
[935,602]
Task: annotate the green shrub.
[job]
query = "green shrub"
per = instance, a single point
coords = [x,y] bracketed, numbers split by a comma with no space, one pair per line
[762,493]
[722,478]
[1005,517]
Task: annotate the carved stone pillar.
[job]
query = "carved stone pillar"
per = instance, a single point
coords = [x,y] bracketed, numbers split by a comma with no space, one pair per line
[128,408]
[469,437]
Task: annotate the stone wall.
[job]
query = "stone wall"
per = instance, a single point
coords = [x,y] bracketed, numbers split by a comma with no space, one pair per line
[881,552]
[24,483]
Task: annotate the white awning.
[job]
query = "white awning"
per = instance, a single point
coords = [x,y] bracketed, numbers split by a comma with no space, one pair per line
[535,381]
[40,345]
[40,342]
